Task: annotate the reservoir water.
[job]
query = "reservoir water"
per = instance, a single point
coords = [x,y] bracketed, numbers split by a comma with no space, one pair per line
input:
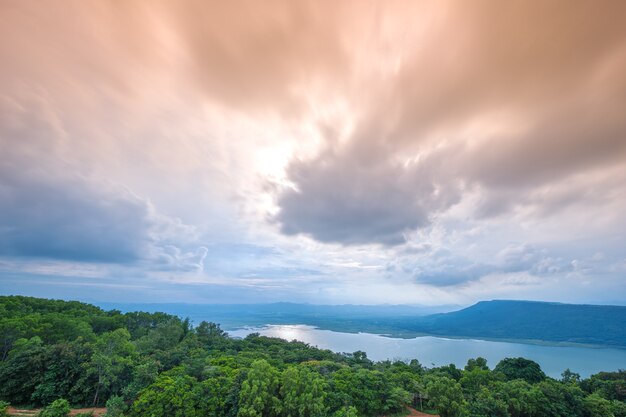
[437,351]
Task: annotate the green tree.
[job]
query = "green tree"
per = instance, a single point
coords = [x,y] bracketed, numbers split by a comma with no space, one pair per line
[4,407]
[163,343]
[302,393]
[450,371]
[560,399]
[611,385]
[209,332]
[348,411]
[618,408]
[488,403]
[523,399]
[474,380]
[364,389]
[116,407]
[520,368]
[111,363]
[478,363]
[395,399]
[259,391]
[65,367]
[169,396]
[59,327]
[23,370]
[59,408]
[220,391]
[596,406]
[406,380]
[11,329]
[143,374]
[416,366]
[359,357]
[446,395]
[164,337]
[569,377]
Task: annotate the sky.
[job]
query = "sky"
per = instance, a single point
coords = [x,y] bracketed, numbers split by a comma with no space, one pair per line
[367,152]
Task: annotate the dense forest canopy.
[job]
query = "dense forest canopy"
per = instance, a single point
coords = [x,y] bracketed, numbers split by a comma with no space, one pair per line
[159,365]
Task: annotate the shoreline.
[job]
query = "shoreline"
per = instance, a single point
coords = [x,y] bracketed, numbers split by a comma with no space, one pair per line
[415,335]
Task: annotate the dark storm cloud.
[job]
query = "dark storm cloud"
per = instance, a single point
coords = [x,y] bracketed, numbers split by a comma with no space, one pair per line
[445,268]
[49,211]
[357,198]
[499,99]
[70,220]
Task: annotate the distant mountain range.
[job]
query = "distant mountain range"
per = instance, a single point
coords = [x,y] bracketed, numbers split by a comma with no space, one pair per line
[531,321]
[522,321]
[347,317]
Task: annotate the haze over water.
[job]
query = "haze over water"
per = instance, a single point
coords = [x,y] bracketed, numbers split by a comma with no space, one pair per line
[437,351]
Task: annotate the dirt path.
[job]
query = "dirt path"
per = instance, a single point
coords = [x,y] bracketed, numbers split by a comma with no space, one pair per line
[19,412]
[97,412]
[415,413]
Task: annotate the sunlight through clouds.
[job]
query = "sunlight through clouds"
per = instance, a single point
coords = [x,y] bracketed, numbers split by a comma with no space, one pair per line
[404,152]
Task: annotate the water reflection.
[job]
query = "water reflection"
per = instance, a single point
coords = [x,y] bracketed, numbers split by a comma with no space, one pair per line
[436,351]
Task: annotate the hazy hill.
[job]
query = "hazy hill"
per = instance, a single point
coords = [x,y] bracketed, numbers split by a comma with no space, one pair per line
[347,317]
[528,320]
[512,320]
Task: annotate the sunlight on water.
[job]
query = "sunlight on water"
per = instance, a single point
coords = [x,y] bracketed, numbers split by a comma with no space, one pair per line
[437,351]
[290,332]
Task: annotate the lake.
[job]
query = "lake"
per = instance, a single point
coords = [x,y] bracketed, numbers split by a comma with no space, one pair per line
[437,351]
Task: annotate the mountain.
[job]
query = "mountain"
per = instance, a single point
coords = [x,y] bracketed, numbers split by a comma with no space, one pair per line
[524,321]
[530,321]
[346,317]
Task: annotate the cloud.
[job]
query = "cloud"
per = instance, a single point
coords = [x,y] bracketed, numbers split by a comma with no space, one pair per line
[453,264]
[263,56]
[173,258]
[49,211]
[339,197]
[72,221]
[473,107]
[442,102]
[424,148]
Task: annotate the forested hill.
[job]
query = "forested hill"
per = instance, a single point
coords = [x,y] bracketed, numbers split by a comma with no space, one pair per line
[529,320]
[56,354]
